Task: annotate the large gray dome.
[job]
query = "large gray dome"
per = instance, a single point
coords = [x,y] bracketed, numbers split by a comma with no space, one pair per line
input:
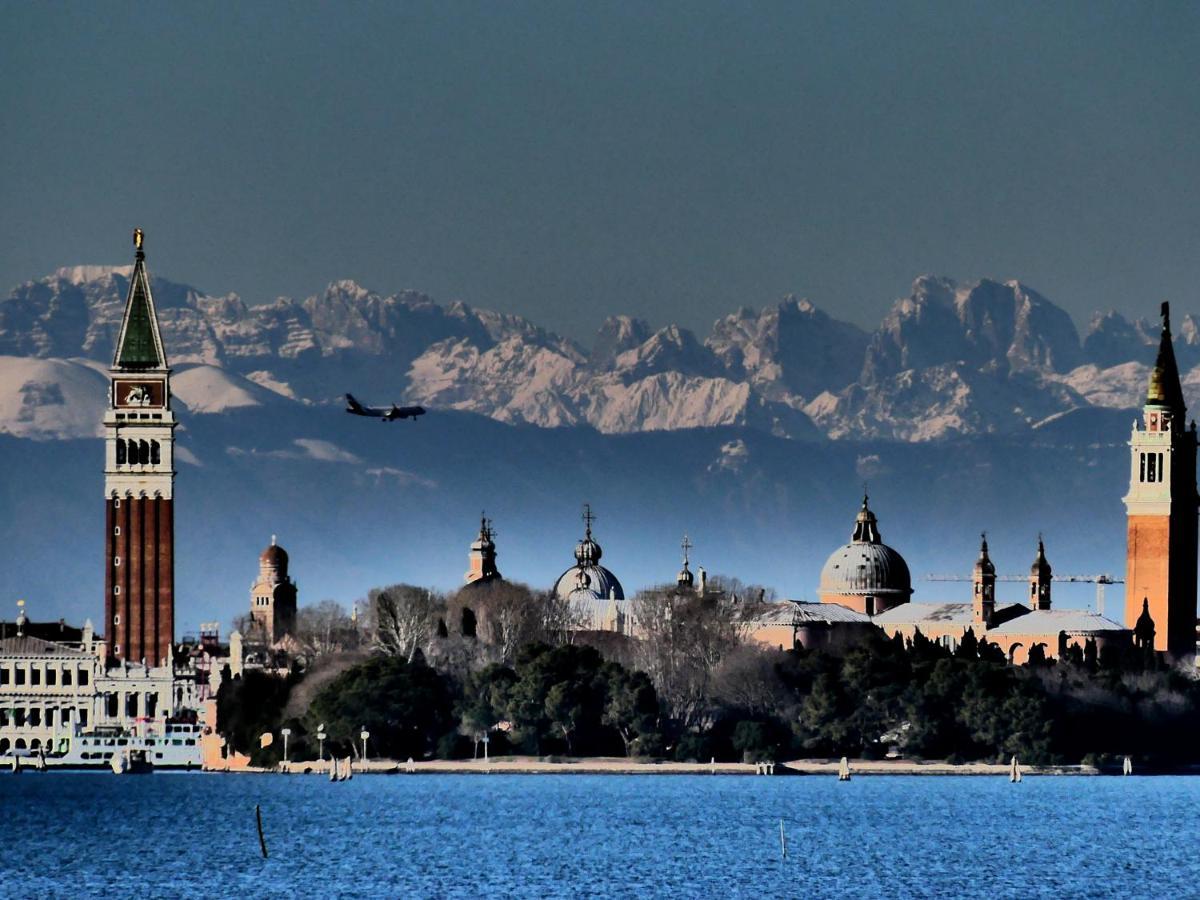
[866,566]
[587,578]
[592,580]
[860,568]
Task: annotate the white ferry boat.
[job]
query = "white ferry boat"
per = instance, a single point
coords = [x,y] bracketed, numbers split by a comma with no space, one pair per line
[177,748]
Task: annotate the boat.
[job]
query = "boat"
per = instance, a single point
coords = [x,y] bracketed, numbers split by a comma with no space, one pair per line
[349,770]
[16,764]
[333,772]
[1127,766]
[844,770]
[130,762]
[1014,774]
[177,746]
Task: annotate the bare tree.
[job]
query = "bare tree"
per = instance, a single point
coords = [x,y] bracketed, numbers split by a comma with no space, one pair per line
[683,638]
[508,615]
[325,628]
[404,618]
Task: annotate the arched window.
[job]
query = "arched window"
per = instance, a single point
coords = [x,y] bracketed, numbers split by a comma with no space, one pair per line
[155,456]
[121,452]
[143,452]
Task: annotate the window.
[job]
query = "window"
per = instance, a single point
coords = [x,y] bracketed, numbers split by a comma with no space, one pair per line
[116,618]
[83,675]
[3,717]
[20,672]
[121,452]
[155,456]
[1151,467]
[117,530]
[1142,471]
[19,718]
[66,677]
[35,675]
[116,561]
[143,452]
[1162,471]
[116,590]
[4,676]
[52,676]
[116,502]
[49,718]
[83,717]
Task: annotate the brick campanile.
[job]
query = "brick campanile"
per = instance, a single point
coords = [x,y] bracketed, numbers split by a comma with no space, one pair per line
[1160,567]
[139,479]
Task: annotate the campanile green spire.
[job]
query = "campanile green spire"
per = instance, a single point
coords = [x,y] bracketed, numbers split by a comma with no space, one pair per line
[139,346]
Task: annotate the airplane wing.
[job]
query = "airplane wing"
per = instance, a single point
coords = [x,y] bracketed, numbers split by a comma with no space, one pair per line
[407,412]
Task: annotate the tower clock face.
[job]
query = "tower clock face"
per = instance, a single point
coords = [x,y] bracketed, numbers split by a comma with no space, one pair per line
[134,394]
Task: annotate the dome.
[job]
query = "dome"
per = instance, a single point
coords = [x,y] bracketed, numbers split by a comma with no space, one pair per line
[587,577]
[861,568]
[866,567]
[595,581]
[274,556]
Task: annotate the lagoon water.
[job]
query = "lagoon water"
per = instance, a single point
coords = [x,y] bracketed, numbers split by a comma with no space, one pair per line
[193,835]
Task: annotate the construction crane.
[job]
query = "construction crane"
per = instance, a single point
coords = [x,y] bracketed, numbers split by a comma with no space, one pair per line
[1099,580]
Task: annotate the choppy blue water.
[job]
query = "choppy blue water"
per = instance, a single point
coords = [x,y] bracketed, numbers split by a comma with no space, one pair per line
[576,835]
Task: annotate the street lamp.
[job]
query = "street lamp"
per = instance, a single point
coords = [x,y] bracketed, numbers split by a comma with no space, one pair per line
[486,741]
[364,734]
[286,732]
[321,741]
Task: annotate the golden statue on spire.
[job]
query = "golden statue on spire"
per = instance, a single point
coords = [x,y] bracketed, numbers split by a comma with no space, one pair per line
[137,239]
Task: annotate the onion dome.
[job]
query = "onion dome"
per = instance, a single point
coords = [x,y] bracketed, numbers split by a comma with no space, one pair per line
[685,579]
[984,565]
[866,566]
[274,556]
[1040,567]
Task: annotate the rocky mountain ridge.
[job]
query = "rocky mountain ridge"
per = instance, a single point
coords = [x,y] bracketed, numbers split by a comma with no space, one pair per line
[948,360]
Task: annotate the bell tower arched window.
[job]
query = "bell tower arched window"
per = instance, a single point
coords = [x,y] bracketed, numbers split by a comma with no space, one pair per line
[121,452]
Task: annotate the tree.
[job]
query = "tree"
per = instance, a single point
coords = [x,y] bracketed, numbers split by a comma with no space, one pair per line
[405,617]
[325,628]
[406,706]
[508,615]
[632,707]
[683,636]
[249,706]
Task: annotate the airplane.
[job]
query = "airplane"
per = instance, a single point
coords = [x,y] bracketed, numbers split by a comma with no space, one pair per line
[396,412]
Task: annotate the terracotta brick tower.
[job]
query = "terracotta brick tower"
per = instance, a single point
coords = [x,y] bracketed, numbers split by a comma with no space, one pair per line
[1160,569]
[273,594]
[139,477]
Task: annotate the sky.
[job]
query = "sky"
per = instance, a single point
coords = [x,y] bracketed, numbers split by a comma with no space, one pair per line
[571,161]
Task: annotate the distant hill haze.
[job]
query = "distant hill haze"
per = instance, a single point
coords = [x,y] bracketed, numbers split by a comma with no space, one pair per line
[948,360]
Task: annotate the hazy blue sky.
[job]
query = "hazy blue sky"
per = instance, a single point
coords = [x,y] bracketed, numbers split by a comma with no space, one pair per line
[570,161]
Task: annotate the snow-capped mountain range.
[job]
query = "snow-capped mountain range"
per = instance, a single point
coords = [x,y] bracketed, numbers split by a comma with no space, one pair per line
[948,360]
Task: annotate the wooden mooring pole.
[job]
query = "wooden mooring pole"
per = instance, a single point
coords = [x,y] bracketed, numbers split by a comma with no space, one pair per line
[262,841]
